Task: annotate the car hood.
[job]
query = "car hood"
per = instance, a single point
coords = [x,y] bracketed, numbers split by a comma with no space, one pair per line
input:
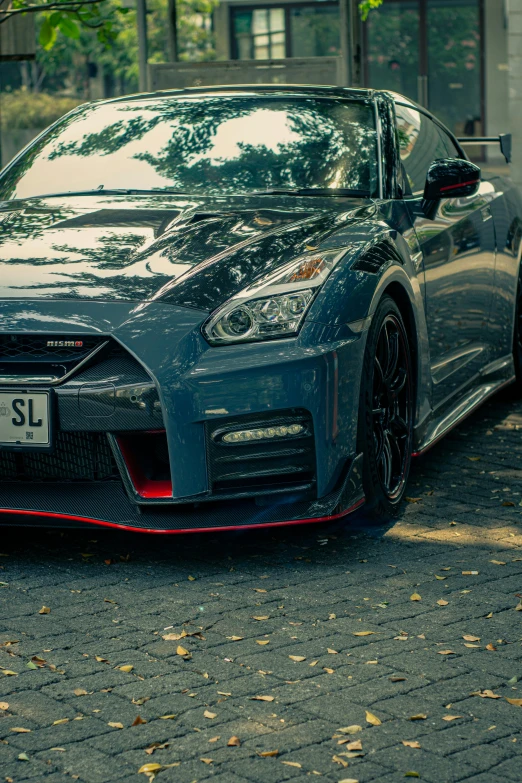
[189,251]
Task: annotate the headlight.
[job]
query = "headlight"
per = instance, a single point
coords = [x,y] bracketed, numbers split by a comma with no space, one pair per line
[275,306]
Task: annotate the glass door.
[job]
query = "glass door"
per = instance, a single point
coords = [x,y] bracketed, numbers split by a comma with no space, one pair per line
[429,51]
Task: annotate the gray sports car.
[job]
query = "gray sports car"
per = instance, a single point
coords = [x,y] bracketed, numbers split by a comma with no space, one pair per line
[244,306]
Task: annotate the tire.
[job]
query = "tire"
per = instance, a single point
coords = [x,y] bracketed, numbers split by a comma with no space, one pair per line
[385,426]
[517,337]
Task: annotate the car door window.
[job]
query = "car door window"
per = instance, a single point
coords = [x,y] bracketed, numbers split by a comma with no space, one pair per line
[420,143]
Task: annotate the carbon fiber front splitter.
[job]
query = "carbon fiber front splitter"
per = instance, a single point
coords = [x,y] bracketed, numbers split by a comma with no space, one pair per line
[106,504]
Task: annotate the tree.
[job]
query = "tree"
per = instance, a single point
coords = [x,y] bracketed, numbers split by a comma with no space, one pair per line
[67,17]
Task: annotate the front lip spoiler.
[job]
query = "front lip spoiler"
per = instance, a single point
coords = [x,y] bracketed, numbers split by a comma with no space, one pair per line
[132,529]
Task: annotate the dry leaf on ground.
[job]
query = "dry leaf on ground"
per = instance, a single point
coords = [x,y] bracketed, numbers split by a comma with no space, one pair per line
[4,705]
[445,652]
[128,667]
[115,724]
[44,610]
[373,719]
[235,638]
[449,718]
[234,742]
[350,729]
[297,658]
[411,743]
[364,633]
[262,698]
[339,760]
[292,764]
[486,694]
[268,753]
[419,716]
[208,714]
[415,597]
[442,602]
[262,641]
[469,638]
[516,702]
[138,720]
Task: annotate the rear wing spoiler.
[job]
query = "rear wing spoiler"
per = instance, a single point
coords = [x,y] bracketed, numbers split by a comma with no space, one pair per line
[504,139]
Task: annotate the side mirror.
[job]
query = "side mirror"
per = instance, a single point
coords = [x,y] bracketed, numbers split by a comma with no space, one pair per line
[451,178]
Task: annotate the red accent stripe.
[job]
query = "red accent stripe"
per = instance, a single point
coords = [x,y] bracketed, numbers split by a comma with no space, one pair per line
[130,528]
[144,486]
[460,185]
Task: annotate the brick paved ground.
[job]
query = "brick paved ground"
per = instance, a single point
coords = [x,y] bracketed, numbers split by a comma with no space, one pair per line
[113,598]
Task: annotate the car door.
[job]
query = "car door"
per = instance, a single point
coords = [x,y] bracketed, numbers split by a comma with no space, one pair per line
[458,247]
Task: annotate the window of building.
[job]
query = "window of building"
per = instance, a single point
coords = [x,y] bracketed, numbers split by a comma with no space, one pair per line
[307,30]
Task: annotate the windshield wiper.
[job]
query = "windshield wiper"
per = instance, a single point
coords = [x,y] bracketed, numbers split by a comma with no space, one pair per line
[311,192]
[113,192]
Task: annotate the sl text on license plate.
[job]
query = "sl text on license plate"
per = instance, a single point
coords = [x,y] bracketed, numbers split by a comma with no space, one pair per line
[25,418]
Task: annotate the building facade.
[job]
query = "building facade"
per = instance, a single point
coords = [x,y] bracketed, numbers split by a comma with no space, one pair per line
[450,55]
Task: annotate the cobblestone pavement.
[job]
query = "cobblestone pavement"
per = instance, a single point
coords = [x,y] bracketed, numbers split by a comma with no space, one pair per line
[293,635]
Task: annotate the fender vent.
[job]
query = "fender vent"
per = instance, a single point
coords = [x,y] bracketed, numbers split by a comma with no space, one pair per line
[378,256]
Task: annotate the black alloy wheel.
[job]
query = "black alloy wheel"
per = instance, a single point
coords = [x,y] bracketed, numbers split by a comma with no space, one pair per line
[386,412]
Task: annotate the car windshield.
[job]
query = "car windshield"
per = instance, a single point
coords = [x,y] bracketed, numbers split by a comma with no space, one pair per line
[203,145]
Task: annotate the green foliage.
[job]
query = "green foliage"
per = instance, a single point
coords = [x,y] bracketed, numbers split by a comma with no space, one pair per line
[70,21]
[22,109]
[366,6]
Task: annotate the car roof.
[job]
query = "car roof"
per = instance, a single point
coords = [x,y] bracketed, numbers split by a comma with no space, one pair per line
[261,89]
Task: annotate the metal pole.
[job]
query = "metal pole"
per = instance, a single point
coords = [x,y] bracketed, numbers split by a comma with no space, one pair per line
[172,30]
[141,19]
[345,28]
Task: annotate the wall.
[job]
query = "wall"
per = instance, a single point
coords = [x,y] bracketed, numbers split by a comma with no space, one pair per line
[496,74]
[515,86]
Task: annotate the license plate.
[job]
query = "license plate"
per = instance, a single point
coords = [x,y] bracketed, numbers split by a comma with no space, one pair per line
[25,419]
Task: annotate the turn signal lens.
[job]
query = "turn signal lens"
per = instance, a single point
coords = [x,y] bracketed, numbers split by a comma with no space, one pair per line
[265,433]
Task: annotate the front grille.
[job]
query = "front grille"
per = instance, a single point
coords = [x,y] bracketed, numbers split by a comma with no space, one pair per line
[46,347]
[77,456]
[278,465]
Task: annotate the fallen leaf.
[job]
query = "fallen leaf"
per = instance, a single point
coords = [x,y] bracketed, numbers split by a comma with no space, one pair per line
[100,659]
[331,652]
[262,698]
[348,780]
[449,718]
[44,610]
[490,615]
[516,702]
[508,503]
[173,637]
[234,742]
[474,459]
[486,694]
[235,638]
[490,646]
[20,730]
[9,673]
[445,652]
[267,753]
[364,633]
[191,578]
[261,617]
[469,573]
[350,729]
[297,658]
[150,768]
[440,578]
[208,714]
[518,607]
[327,670]
[292,764]
[340,761]
[181,650]
[167,717]
[355,745]
[126,668]
[469,638]
[79,692]
[138,720]
[4,705]
[497,562]
[262,641]
[397,679]
[60,721]
[115,725]
[206,761]
[475,646]
[419,716]
[411,775]
[259,590]
[23,757]
[373,719]
[411,743]
[415,597]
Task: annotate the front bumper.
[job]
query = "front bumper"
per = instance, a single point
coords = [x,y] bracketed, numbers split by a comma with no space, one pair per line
[165,378]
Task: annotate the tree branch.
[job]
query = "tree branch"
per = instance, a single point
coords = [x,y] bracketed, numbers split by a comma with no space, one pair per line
[68,6]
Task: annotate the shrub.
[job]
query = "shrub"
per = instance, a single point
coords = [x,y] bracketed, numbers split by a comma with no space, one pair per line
[23,109]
